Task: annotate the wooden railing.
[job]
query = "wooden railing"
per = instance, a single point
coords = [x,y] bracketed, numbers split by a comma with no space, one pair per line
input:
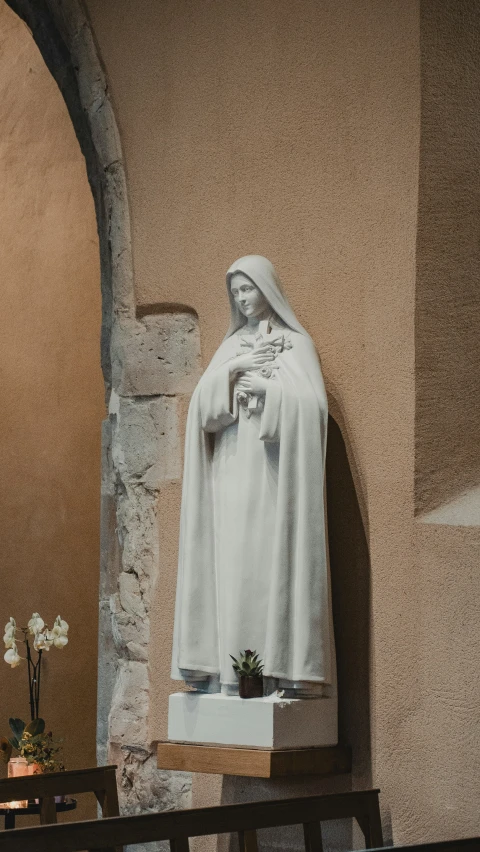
[179,826]
[100,781]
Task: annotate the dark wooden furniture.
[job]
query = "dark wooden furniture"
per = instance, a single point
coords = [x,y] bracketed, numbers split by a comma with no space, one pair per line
[254,762]
[11,813]
[101,781]
[178,826]
[468,844]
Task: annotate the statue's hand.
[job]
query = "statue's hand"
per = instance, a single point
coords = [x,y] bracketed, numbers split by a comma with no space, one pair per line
[254,360]
[252,383]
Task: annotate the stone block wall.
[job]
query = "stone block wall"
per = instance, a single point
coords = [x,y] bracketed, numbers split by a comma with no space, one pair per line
[157,363]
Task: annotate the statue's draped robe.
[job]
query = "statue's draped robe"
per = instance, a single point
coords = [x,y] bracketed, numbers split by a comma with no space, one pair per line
[252,557]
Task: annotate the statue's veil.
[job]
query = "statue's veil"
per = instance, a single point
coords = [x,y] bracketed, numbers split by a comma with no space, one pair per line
[262,273]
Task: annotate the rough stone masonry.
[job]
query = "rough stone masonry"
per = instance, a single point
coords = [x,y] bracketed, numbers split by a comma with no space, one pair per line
[156,364]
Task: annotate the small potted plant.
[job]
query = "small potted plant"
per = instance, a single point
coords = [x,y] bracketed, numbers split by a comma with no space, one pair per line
[249,669]
[35,748]
[36,752]
[33,744]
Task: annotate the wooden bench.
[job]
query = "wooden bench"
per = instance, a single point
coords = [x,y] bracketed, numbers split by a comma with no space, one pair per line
[101,781]
[179,826]
[468,844]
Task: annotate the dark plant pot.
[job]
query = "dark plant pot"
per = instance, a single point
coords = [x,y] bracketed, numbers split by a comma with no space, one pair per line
[250,687]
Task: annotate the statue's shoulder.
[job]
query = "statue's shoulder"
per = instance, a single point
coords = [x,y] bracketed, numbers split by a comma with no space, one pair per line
[306,351]
[303,342]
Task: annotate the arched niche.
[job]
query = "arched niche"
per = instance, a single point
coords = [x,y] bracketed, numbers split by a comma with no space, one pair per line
[141,437]
[350,572]
[143,426]
[52,394]
[63,35]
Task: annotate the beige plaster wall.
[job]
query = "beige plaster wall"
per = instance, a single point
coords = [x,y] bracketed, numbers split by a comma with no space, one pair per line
[52,392]
[292,129]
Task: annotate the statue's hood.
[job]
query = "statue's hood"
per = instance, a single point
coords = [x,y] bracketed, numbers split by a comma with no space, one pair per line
[262,273]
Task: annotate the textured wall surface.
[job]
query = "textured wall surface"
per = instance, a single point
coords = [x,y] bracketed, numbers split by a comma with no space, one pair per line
[293,129]
[52,403]
[448,256]
[159,365]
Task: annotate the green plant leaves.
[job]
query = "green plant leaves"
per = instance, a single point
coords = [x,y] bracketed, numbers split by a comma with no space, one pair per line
[31,742]
[248,664]
[35,728]
[17,728]
[40,749]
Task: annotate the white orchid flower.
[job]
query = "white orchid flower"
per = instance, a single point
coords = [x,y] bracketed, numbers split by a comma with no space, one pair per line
[12,657]
[61,626]
[36,624]
[43,641]
[9,640]
[59,632]
[11,624]
[10,630]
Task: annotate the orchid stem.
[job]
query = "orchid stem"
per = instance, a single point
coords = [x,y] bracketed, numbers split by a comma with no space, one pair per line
[38,674]
[31,677]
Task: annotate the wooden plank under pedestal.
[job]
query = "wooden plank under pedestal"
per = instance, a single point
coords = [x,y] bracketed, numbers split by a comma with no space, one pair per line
[254,762]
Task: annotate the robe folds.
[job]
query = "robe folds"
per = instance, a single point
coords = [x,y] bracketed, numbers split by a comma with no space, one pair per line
[253,569]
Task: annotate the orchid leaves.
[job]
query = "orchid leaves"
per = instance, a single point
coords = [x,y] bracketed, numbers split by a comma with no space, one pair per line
[32,743]
[19,729]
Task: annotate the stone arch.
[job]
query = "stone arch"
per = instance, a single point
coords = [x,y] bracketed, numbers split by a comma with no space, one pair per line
[149,364]
[63,35]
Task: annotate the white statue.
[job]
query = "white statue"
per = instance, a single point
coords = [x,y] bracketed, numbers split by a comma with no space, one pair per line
[253,569]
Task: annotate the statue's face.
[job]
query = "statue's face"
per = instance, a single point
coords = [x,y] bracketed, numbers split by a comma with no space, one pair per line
[250,300]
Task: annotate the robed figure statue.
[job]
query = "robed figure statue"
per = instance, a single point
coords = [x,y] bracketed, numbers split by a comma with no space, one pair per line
[253,570]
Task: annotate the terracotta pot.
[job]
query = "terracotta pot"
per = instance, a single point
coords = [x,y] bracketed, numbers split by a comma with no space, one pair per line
[17,766]
[250,687]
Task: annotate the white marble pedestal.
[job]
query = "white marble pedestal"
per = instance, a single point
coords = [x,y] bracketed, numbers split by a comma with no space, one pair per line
[271,722]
